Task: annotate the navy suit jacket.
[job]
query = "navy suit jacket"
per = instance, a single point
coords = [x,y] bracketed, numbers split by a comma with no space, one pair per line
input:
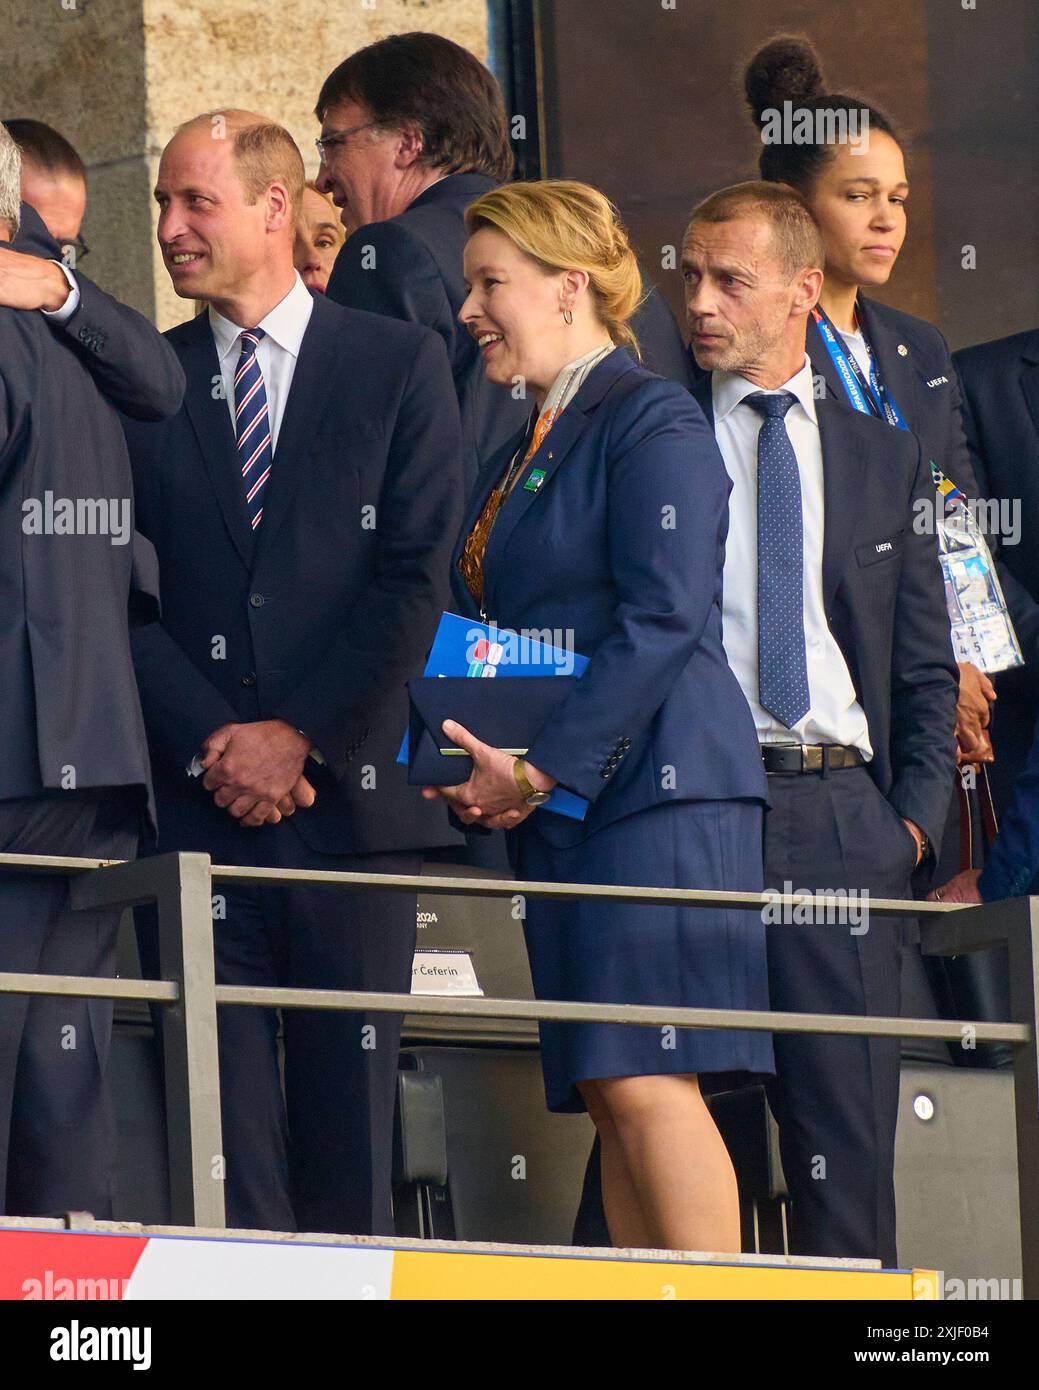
[621,548]
[130,362]
[410,267]
[1000,383]
[320,616]
[1012,861]
[71,716]
[925,387]
[885,605]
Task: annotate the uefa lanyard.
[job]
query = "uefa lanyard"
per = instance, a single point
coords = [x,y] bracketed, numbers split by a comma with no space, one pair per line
[869,397]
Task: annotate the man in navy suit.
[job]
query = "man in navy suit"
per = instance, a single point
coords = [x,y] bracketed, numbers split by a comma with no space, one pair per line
[850,679]
[413,129]
[131,364]
[1000,387]
[303,504]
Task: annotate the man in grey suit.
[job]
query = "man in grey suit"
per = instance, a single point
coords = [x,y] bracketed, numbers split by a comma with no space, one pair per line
[74,777]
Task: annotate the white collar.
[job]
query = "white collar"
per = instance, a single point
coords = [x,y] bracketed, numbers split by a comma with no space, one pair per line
[571,378]
[729,388]
[286,323]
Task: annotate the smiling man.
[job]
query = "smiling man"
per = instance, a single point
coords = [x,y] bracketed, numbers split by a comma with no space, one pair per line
[303,504]
[413,129]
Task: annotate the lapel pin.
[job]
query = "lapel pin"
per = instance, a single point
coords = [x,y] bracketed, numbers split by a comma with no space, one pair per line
[903,351]
[534,480]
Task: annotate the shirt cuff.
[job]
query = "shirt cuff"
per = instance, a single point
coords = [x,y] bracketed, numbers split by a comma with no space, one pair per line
[71,304]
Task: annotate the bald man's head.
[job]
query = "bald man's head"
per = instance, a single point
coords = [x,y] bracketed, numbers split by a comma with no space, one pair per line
[54,179]
[264,152]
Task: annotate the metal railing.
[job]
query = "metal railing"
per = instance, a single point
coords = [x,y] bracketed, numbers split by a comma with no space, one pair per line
[181,885]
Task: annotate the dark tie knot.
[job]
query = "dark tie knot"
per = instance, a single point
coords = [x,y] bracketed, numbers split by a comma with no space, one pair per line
[772,405]
[251,336]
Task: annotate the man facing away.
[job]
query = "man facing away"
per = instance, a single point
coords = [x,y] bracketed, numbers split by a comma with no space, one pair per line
[303,504]
[74,778]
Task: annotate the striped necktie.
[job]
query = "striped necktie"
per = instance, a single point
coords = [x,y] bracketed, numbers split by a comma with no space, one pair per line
[252,425]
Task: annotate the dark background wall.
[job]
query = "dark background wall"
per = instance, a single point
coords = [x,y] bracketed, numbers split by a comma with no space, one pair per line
[647,103]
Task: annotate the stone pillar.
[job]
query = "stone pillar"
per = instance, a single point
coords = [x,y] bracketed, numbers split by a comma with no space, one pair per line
[117,77]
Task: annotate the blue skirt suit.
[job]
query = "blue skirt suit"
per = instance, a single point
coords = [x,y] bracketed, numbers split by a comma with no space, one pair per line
[619,548]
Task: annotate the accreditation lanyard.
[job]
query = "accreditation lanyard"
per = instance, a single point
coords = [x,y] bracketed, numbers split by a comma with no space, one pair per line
[869,397]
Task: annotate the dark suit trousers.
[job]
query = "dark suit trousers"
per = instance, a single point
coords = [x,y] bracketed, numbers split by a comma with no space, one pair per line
[835,1099]
[316,1156]
[57,1132]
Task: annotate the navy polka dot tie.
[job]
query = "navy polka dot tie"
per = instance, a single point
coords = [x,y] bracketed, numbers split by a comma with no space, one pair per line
[782,663]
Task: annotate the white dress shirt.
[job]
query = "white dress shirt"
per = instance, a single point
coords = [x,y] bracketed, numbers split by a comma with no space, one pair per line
[856,345]
[835,716]
[71,304]
[276,352]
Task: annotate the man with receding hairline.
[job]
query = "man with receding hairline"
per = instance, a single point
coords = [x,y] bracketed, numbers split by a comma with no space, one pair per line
[303,504]
[836,627]
[54,179]
[834,623]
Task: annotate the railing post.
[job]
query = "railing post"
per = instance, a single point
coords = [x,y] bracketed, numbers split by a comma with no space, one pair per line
[1023,944]
[180,886]
[189,1039]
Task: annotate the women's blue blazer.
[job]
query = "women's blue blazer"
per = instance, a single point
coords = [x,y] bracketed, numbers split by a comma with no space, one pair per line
[613,540]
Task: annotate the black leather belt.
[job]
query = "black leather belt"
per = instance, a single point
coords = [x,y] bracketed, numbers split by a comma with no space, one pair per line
[788,759]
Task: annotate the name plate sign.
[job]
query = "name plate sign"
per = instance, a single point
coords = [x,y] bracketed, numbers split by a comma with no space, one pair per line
[444,972]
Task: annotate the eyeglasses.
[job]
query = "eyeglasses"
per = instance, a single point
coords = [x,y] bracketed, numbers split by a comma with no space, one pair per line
[338,137]
[73,251]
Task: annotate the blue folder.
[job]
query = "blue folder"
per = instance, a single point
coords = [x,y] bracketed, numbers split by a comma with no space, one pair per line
[464,647]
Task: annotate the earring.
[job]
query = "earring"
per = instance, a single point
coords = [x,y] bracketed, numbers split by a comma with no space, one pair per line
[568,316]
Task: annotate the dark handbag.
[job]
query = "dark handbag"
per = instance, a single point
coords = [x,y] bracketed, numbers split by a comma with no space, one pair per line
[505,713]
[975,985]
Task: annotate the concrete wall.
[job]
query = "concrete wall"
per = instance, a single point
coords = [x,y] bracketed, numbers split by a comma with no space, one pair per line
[117,76]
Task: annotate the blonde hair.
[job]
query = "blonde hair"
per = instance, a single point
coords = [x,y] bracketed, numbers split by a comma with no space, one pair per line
[565,225]
[264,152]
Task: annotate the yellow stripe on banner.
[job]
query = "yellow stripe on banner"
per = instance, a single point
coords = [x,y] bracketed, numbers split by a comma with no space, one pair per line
[445,1275]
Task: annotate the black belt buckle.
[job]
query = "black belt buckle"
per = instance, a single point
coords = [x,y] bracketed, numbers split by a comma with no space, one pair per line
[790,759]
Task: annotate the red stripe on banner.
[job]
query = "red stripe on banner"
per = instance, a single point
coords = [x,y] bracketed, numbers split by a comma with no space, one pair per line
[66,1264]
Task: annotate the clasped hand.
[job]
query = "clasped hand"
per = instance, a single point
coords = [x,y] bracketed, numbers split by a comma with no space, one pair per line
[491,797]
[973,716]
[255,771]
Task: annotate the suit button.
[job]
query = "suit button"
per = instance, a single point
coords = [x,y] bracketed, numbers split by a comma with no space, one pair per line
[256,600]
[249,678]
